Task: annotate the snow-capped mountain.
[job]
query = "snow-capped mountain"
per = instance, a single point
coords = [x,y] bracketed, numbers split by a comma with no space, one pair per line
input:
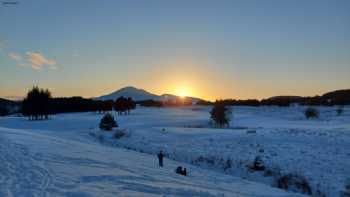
[141,95]
[129,91]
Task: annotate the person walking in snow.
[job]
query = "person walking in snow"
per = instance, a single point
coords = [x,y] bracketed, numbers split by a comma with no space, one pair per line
[160,158]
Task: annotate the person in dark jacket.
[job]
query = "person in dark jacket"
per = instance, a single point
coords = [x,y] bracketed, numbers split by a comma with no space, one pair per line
[160,158]
[184,172]
[178,170]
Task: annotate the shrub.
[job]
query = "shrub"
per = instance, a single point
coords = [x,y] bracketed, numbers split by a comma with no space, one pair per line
[228,164]
[119,134]
[107,122]
[258,165]
[203,159]
[294,183]
[311,113]
[346,192]
[340,110]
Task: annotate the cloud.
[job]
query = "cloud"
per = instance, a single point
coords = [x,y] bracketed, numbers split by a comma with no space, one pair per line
[15,56]
[38,60]
[35,60]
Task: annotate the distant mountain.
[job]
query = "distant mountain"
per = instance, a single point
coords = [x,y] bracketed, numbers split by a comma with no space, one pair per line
[135,93]
[142,95]
[337,96]
[281,100]
[10,106]
[4,102]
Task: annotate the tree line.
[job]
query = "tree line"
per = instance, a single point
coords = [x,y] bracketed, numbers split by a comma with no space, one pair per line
[284,101]
[36,104]
[176,102]
[39,104]
[123,105]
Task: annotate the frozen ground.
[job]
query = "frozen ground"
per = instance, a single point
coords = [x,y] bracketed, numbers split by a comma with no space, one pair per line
[58,158]
[315,150]
[40,165]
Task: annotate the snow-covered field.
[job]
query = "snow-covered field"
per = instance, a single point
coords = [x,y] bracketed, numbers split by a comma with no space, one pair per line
[69,156]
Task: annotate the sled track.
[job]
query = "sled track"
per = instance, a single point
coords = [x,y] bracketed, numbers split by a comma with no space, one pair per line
[19,176]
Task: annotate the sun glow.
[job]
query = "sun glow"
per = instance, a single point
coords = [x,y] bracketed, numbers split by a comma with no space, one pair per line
[182,92]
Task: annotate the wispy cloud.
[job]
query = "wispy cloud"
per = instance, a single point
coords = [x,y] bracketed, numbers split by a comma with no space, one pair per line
[35,60]
[38,60]
[15,57]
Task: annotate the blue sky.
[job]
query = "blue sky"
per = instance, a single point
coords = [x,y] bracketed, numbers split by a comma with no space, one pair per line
[210,49]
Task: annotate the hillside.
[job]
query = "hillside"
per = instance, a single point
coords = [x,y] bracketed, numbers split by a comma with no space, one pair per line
[8,106]
[38,164]
[339,96]
[6,102]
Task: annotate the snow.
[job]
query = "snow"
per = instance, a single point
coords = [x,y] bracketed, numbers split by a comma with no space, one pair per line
[70,148]
[134,93]
[58,157]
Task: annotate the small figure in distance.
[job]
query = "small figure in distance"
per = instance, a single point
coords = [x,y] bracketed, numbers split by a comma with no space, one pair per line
[178,170]
[160,158]
[184,172]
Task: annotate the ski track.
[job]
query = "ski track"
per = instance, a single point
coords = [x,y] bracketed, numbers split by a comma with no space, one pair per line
[36,165]
[20,176]
[58,157]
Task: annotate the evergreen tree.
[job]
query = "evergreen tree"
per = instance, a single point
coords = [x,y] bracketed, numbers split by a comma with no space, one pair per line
[107,122]
[220,114]
[36,105]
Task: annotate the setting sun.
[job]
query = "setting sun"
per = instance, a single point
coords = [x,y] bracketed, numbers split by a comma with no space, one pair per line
[182,92]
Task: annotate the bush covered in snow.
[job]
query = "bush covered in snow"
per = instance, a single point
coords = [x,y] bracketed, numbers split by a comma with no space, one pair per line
[311,112]
[293,182]
[346,192]
[258,165]
[119,134]
[107,122]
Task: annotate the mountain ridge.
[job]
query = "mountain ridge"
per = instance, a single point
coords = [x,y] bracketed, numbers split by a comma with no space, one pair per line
[139,94]
[129,91]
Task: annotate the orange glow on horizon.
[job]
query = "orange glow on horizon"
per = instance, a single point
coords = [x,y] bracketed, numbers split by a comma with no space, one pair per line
[183,91]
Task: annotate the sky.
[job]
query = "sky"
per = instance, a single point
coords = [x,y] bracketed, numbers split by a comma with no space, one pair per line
[208,49]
